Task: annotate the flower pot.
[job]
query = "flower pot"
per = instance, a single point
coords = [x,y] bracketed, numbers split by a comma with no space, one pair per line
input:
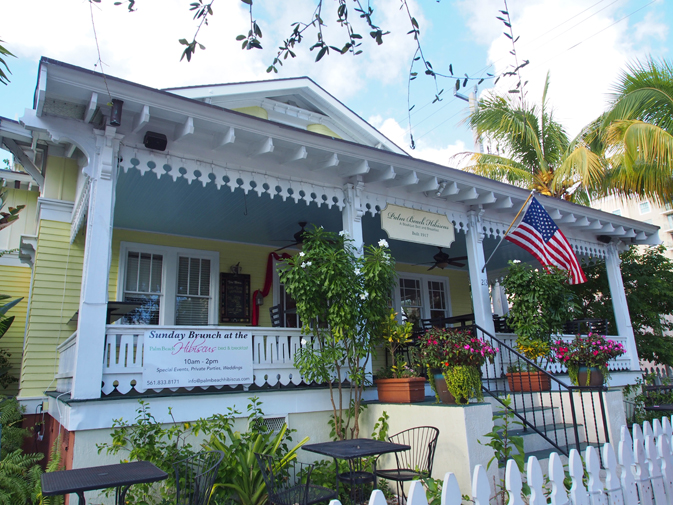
[408,390]
[526,382]
[595,380]
[443,392]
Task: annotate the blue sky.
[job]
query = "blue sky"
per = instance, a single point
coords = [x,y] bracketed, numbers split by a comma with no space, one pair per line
[582,43]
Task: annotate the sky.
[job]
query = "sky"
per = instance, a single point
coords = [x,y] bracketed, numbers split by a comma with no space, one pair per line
[584,45]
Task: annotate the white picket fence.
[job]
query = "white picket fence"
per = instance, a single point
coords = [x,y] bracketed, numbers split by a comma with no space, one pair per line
[643,476]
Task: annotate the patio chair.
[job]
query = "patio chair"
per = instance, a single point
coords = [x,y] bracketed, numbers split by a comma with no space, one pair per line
[290,484]
[195,476]
[416,462]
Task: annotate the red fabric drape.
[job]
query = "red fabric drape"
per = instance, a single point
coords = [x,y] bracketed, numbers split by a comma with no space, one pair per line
[268,282]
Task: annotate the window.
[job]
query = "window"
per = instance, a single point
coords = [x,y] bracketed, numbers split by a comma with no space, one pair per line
[173,286]
[422,297]
[288,307]
[644,207]
[617,212]
[670,221]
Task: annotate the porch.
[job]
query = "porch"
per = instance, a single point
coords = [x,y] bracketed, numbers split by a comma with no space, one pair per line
[273,350]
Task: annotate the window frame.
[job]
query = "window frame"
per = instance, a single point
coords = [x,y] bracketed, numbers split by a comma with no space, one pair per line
[169,277]
[425,292]
[640,207]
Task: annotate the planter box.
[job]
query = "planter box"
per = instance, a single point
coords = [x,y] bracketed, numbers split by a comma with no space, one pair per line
[596,379]
[407,390]
[525,382]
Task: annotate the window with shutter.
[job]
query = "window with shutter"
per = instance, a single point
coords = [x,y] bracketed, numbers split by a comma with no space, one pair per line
[193,296]
[143,285]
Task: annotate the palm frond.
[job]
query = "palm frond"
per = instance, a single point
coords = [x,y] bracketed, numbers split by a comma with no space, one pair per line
[499,168]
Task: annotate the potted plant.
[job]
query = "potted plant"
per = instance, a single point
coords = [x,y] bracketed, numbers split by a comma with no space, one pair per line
[452,357]
[540,303]
[398,383]
[587,358]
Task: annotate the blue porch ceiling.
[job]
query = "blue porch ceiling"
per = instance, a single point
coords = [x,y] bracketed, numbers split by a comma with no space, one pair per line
[145,203]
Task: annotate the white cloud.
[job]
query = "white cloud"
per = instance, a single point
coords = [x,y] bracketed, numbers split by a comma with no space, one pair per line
[583,48]
[443,155]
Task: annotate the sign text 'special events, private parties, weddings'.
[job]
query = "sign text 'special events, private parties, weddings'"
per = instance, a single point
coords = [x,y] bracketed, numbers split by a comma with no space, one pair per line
[187,357]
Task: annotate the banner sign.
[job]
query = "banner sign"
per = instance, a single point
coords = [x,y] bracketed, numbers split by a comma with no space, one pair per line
[411,225]
[187,357]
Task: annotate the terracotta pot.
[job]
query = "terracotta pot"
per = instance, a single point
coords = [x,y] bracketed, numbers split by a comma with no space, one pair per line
[525,382]
[596,380]
[409,390]
[443,392]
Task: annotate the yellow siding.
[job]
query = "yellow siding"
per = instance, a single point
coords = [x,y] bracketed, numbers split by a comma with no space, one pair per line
[322,130]
[10,236]
[253,259]
[15,282]
[56,291]
[60,178]
[254,111]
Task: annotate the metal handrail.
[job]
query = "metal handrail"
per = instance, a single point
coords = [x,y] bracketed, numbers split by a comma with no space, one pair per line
[559,402]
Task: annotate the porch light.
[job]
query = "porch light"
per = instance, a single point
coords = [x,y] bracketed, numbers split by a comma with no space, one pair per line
[116,113]
[259,298]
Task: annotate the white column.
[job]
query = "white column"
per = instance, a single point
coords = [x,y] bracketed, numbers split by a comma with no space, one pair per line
[619,305]
[352,214]
[88,372]
[481,300]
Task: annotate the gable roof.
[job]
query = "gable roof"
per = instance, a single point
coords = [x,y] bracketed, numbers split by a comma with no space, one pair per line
[296,101]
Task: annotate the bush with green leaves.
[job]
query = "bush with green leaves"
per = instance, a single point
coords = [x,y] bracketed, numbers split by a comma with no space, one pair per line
[343,299]
[19,473]
[239,479]
[541,302]
[5,322]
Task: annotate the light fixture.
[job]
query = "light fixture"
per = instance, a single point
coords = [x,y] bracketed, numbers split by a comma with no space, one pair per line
[259,298]
[441,188]
[116,113]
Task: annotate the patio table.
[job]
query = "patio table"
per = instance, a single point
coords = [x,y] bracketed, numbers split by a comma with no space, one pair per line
[353,451]
[121,476]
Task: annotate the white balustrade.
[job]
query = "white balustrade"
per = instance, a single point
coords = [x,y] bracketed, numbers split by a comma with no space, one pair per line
[66,363]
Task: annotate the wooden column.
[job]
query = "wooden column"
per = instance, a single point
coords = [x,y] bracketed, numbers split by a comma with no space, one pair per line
[481,300]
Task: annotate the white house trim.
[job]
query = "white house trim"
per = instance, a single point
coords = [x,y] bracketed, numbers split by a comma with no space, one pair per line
[54,210]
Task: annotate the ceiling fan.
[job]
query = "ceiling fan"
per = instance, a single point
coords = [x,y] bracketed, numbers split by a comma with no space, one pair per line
[298,237]
[443,260]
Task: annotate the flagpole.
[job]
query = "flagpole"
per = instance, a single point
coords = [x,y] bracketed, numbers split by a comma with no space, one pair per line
[510,227]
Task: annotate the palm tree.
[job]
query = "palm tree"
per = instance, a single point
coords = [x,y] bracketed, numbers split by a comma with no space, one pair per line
[637,131]
[536,151]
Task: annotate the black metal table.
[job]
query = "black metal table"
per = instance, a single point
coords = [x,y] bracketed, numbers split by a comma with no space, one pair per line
[353,451]
[120,476]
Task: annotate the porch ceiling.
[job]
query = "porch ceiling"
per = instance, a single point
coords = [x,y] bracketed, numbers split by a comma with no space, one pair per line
[145,203]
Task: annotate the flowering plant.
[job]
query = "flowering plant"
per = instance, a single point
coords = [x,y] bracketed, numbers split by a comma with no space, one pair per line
[458,354]
[591,351]
[443,348]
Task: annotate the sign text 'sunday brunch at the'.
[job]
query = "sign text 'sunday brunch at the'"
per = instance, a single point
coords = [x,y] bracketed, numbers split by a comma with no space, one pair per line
[188,357]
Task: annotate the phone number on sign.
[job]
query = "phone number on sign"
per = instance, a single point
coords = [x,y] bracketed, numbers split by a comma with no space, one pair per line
[162,382]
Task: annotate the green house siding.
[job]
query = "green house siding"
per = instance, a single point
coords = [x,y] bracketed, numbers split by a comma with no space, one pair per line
[56,290]
[15,282]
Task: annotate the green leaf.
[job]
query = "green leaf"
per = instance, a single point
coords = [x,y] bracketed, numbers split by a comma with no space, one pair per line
[239,37]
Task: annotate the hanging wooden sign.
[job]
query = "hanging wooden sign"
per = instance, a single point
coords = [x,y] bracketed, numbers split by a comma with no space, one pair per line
[411,225]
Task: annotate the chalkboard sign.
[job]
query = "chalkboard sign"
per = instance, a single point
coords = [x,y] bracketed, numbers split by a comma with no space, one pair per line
[234,298]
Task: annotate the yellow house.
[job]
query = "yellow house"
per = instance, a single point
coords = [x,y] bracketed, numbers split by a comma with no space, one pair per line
[155,213]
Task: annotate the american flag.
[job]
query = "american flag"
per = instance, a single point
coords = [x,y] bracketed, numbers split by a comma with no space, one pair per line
[538,234]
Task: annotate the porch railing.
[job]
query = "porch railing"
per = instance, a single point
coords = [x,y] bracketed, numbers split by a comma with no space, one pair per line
[621,363]
[565,416]
[273,355]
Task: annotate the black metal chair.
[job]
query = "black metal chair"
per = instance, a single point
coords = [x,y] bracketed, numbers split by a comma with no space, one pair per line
[276,313]
[290,484]
[416,462]
[195,476]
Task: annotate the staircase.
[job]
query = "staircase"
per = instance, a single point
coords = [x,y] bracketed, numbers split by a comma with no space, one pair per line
[557,419]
